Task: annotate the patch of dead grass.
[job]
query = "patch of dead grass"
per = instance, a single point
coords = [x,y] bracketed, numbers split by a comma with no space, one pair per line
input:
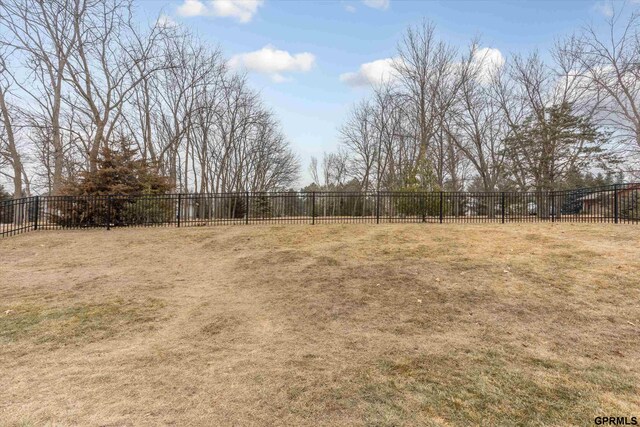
[410,324]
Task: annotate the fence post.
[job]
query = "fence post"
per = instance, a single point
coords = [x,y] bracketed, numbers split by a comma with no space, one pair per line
[502,206]
[108,213]
[313,207]
[441,206]
[35,220]
[179,208]
[615,202]
[553,206]
[246,207]
[378,207]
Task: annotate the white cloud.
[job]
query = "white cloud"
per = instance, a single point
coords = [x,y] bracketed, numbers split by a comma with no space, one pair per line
[350,8]
[489,60]
[165,21]
[192,8]
[382,71]
[274,62]
[489,56]
[377,4]
[371,73]
[241,10]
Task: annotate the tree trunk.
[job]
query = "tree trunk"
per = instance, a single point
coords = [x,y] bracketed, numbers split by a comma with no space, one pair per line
[58,151]
[94,152]
[14,156]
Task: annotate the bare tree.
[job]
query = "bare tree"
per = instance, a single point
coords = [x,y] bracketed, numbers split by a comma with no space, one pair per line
[110,59]
[608,63]
[425,66]
[8,138]
[444,115]
[313,170]
[42,33]
[381,138]
[359,135]
[476,124]
[212,132]
[95,78]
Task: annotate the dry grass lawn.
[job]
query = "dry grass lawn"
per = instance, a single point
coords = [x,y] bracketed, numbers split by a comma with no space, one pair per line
[321,325]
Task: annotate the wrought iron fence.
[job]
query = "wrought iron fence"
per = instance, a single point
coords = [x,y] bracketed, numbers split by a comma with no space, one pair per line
[615,204]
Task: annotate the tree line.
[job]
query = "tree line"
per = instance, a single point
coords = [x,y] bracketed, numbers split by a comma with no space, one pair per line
[80,81]
[79,76]
[469,120]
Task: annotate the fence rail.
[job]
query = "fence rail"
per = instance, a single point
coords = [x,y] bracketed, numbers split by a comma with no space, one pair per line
[618,203]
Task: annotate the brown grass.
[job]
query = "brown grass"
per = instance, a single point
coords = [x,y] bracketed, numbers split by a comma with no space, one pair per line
[324,325]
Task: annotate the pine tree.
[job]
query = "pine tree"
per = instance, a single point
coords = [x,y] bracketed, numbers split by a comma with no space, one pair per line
[119,172]
[544,151]
[124,177]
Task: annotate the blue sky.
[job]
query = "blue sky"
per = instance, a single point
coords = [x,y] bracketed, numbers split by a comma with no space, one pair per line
[303,47]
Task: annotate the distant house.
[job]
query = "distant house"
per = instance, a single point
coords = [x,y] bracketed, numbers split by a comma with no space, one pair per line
[592,203]
[596,202]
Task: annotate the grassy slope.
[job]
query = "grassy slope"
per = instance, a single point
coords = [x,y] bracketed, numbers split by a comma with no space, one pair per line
[354,324]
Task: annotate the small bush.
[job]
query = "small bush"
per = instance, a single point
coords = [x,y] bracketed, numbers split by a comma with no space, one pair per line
[420,197]
[261,207]
[416,202]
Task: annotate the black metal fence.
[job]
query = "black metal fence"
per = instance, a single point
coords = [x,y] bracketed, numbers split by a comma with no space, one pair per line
[614,204]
